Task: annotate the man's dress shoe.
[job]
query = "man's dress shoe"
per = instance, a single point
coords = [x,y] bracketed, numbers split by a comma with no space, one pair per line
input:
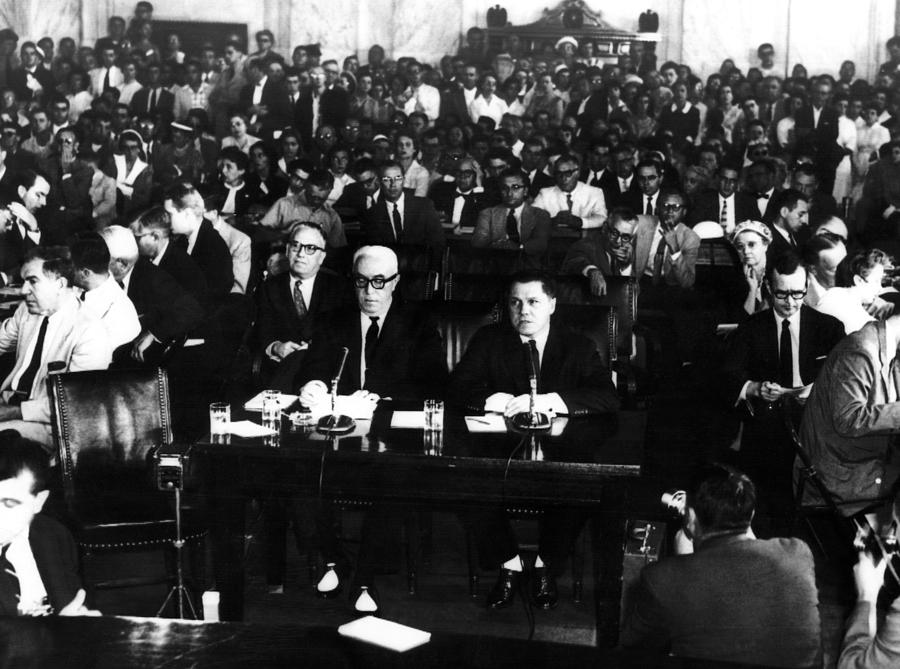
[504,590]
[544,593]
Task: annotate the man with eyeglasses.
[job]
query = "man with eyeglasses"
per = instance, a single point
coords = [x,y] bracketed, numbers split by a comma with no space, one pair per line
[462,199]
[400,218]
[571,203]
[515,224]
[534,164]
[772,351]
[314,186]
[395,352]
[289,304]
[605,252]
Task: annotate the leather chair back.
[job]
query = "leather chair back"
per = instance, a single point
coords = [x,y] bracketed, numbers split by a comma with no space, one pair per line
[621,295]
[458,323]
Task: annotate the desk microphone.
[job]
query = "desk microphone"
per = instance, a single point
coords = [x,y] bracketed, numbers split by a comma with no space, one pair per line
[335,424]
[531,420]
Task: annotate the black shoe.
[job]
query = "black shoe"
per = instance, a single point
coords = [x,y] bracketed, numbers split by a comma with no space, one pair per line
[365,600]
[504,590]
[330,585]
[544,593]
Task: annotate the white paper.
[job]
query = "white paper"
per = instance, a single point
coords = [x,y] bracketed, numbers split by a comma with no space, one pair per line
[246,428]
[255,403]
[357,406]
[726,328]
[385,633]
[490,422]
[408,419]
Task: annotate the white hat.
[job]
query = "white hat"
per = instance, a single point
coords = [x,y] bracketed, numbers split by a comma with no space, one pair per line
[566,40]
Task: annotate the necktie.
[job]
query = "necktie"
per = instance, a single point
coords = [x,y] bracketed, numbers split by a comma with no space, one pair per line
[785,356]
[792,238]
[723,218]
[151,105]
[23,390]
[299,302]
[106,84]
[596,180]
[762,196]
[398,224]
[659,260]
[512,229]
[613,265]
[8,575]
[649,208]
[532,352]
[569,202]
[121,283]
[371,340]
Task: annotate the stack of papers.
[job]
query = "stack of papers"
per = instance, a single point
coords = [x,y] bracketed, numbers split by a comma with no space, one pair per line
[249,429]
[385,633]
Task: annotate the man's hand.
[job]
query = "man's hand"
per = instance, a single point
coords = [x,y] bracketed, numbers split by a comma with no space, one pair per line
[522,404]
[887,213]
[597,282]
[869,577]
[6,219]
[497,402]
[140,346]
[284,349]
[879,308]
[624,254]
[767,390]
[313,393]
[77,608]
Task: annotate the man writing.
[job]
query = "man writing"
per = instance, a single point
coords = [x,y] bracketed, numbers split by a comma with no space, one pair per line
[570,202]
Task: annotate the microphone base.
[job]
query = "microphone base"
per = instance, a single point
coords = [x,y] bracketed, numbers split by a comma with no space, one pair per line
[335,424]
[527,422]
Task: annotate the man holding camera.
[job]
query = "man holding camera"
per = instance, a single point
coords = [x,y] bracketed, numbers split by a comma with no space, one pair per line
[728,597]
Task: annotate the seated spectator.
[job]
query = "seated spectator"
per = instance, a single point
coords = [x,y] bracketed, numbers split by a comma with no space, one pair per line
[857,284]
[461,200]
[237,194]
[51,324]
[515,224]
[362,194]
[415,177]
[37,550]
[751,240]
[22,230]
[239,136]
[180,160]
[134,177]
[103,192]
[608,251]
[725,205]
[570,202]
[336,161]
[288,210]
[822,254]
[698,605]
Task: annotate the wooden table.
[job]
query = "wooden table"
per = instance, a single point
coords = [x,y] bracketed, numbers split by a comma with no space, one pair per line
[577,465]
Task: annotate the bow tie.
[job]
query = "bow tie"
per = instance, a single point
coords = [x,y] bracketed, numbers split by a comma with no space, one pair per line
[762,196]
[464,195]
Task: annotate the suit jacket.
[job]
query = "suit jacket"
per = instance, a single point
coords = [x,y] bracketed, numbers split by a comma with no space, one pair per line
[166,309]
[822,139]
[246,196]
[165,101]
[69,207]
[271,96]
[706,208]
[18,81]
[443,194]
[75,336]
[408,363]
[541,180]
[277,318]
[181,267]
[589,250]
[421,225]
[753,349]
[496,361]
[13,247]
[351,205]
[212,256]
[682,125]
[534,230]
[454,102]
[700,606]
[851,420]
[617,197]
[56,557]
[680,272]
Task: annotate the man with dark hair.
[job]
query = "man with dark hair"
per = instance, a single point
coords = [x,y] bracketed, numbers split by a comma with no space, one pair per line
[534,164]
[760,185]
[771,352]
[362,194]
[698,605]
[51,324]
[725,205]
[22,228]
[789,229]
[492,376]
[514,224]
[100,291]
[69,208]
[822,205]
[648,174]
[154,97]
[39,557]
[817,131]
[608,251]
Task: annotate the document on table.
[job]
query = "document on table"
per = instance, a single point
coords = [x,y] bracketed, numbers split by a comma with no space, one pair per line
[255,403]
[249,429]
[489,422]
[385,633]
[408,419]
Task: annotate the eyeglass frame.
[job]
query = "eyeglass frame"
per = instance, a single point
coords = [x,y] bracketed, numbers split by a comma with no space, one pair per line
[297,247]
[363,282]
[785,294]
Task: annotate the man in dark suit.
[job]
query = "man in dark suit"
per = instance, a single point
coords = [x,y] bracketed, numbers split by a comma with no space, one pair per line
[290,304]
[693,605]
[681,118]
[791,225]
[38,558]
[261,96]
[593,107]
[461,200]
[760,186]
[648,174]
[361,195]
[725,205]
[456,101]
[32,80]
[608,251]
[493,376]
[822,205]
[816,129]
[154,97]
[626,184]
[23,230]
[598,171]
[534,164]
[774,350]
[514,225]
[167,312]
[394,351]
[69,207]
[400,218]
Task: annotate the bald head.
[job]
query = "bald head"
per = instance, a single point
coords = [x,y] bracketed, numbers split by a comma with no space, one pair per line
[834,226]
[123,250]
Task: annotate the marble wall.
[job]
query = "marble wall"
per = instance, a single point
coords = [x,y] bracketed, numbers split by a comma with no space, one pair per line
[819,33]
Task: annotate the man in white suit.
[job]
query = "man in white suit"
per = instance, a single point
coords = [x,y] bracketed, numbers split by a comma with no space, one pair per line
[51,325]
[570,202]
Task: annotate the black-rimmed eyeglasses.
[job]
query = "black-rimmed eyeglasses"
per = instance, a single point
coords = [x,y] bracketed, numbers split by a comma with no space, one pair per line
[377,282]
[305,249]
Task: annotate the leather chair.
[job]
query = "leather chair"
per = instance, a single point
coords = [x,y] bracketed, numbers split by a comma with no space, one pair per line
[419,281]
[478,275]
[108,425]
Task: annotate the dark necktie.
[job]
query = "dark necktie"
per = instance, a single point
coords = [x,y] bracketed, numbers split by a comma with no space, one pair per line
[106,83]
[659,260]
[299,302]
[596,180]
[649,209]
[785,356]
[532,352]
[9,576]
[23,389]
[371,341]
[512,229]
[152,102]
[792,239]
[398,224]
[569,202]
[723,218]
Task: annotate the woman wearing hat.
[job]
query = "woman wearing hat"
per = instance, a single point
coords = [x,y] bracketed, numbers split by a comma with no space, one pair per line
[751,240]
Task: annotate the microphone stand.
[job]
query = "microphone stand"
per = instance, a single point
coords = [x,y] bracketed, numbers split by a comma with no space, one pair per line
[532,420]
[335,424]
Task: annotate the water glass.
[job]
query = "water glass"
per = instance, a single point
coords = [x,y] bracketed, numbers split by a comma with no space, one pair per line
[219,417]
[434,415]
[271,409]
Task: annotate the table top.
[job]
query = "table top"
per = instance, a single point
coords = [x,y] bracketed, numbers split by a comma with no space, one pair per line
[111,642]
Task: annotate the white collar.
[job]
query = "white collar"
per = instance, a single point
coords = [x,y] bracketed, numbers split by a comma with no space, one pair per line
[687,107]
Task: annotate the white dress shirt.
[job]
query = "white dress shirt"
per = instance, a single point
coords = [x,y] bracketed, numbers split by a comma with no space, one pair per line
[588,203]
[762,203]
[552,401]
[115,310]
[31,587]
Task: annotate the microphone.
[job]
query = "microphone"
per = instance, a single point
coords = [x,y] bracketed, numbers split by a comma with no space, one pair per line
[532,420]
[335,424]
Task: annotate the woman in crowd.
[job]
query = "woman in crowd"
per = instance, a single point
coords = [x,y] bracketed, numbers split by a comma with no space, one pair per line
[546,99]
[486,103]
[751,240]
[406,151]
[239,137]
